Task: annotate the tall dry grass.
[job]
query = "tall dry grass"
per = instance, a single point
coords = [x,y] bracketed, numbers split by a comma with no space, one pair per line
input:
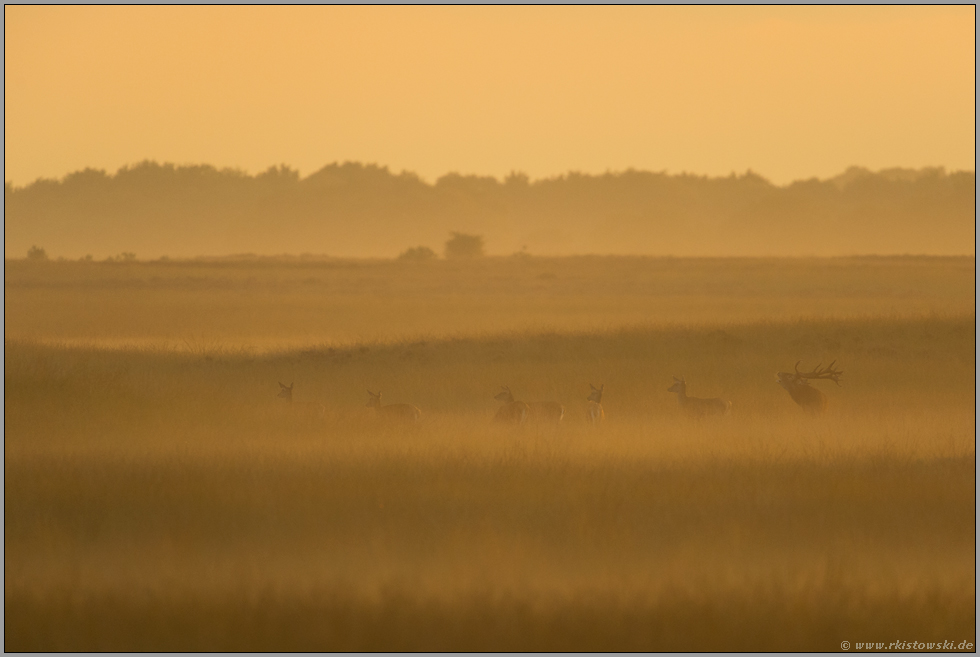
[291,304]
[165,499]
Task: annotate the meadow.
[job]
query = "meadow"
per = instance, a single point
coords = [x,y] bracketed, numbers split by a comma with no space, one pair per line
[158,496]
[280,303]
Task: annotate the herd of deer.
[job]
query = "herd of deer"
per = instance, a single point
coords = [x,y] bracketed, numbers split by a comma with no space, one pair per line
[515,412]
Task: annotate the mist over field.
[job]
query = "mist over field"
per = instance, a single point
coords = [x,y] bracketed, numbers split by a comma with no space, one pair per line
[162,494]
[591,328]
[358,210]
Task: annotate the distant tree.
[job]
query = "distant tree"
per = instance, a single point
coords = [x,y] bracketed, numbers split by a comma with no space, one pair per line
[418,254]
[522,253]
[460,245]
[36,253]
[127,257]
[517,179]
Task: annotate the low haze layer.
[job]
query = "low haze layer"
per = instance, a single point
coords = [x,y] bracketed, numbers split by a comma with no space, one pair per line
[629,328]
[354,210]
[159,495]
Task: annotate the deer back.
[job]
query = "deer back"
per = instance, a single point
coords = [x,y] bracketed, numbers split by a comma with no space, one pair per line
[546,411]
[809,398]
[400,412]
[702,407]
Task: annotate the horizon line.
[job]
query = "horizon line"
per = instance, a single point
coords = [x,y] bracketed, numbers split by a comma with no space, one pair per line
[313,258]
[285,168]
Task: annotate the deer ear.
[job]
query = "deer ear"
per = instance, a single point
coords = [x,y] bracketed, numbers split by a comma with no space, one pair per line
[280,384]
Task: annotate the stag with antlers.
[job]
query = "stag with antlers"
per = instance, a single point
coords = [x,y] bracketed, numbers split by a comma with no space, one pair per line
[797,384]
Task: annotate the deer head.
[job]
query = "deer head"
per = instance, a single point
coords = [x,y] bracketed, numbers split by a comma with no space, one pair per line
[679,386]
[790,380]
[375,399]
[286,392]
[505,396]
[797,384]
[596,394]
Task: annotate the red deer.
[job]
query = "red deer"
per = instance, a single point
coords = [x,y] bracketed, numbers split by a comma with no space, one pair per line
[797,384]
[593,412]
[695,406]
[394,412]
[313,409]
[548,411]
[512,411]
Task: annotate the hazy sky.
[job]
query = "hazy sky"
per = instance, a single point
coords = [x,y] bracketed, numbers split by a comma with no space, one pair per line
[789,92]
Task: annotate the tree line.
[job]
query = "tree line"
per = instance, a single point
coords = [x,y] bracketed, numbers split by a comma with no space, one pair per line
[354,209]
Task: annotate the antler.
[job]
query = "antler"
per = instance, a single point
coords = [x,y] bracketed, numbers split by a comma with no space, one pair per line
[827,373]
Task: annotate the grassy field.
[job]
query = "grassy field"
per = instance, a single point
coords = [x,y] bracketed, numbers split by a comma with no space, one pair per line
[158,496]
[282,304]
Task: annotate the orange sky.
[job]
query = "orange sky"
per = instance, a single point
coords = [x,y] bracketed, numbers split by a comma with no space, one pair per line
[788,92]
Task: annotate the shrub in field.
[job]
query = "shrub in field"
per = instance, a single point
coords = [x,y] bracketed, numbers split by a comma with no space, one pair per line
[418,254]
[460,245]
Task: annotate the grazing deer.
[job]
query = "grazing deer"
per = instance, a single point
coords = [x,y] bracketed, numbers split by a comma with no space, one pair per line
[594,411]
[797,384]
[313,409]
[512,411]
[394,412]
[695,406]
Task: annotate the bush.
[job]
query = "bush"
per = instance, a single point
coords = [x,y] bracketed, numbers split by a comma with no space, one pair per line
[37,253]
[460,245]
[418,254]
[125,256]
